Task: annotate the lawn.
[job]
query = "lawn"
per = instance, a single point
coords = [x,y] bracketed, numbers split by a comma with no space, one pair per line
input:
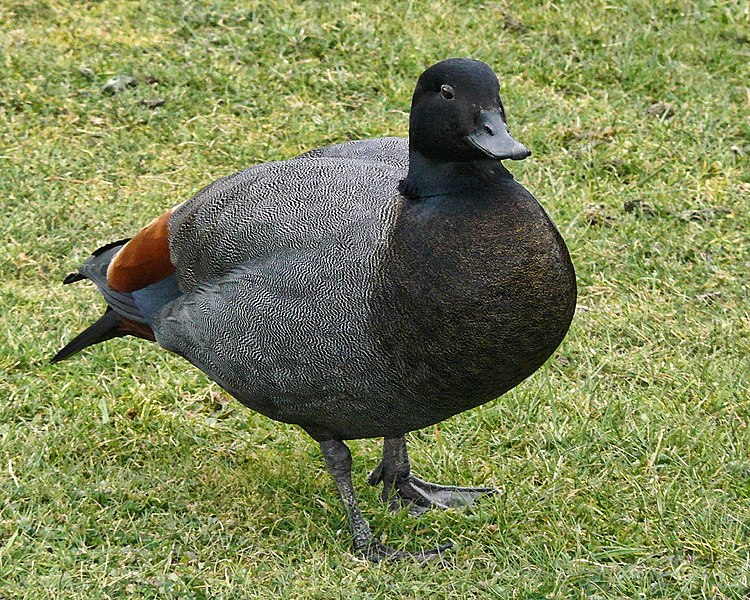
[623,464]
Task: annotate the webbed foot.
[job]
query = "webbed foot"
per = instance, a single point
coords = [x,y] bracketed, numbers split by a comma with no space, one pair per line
[400,487]
[376,551]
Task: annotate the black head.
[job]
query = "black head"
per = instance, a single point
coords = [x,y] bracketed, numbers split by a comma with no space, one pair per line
[457,115]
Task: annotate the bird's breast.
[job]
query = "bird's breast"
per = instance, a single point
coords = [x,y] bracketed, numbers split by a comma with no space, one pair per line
[476,295]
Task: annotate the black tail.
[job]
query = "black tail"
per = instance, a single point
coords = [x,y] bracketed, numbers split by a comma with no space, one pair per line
[107,327]
[125,319]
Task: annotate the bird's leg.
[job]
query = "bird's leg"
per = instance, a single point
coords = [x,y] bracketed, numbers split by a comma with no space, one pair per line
[339,463]
[395,473]
[338,460]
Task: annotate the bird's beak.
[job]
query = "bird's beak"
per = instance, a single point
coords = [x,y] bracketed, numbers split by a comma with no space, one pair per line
[491,137]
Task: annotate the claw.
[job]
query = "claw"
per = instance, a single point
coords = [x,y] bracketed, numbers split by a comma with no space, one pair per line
[376,476]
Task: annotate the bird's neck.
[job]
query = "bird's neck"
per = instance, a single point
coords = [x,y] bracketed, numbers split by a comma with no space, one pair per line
[428,177]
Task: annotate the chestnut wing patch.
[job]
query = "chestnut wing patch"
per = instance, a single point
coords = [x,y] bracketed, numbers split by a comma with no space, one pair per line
[144,260]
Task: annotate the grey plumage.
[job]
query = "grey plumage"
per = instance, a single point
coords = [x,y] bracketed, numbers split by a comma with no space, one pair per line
[95,269]
[278,264]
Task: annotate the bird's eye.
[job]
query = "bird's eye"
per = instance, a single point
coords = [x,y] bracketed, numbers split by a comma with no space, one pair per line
[447,92]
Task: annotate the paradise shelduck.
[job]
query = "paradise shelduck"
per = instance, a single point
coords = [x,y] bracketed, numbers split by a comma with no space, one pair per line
[361,290]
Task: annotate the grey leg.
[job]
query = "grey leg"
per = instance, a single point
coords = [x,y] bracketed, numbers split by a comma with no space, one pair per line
[395,473]
[339,463]
[338,460]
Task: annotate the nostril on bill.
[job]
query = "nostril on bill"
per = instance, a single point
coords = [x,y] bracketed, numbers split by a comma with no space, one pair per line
[489,130]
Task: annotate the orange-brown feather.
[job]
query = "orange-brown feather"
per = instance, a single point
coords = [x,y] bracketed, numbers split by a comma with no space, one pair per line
[141,330]
[144,259]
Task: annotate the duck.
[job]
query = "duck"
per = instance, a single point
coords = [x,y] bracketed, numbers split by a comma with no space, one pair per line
[366,289]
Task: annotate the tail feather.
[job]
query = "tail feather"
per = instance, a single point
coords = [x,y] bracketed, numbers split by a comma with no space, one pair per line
[73,277]
[95,269]
[127,313]
[105,328]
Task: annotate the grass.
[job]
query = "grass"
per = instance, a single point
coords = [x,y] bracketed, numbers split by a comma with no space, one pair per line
[624,463]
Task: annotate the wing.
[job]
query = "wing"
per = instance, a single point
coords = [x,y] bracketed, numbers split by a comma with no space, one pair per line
[146,259]
[282,207]
[278,265]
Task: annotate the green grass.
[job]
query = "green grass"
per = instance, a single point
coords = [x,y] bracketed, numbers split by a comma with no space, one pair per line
[624,463]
